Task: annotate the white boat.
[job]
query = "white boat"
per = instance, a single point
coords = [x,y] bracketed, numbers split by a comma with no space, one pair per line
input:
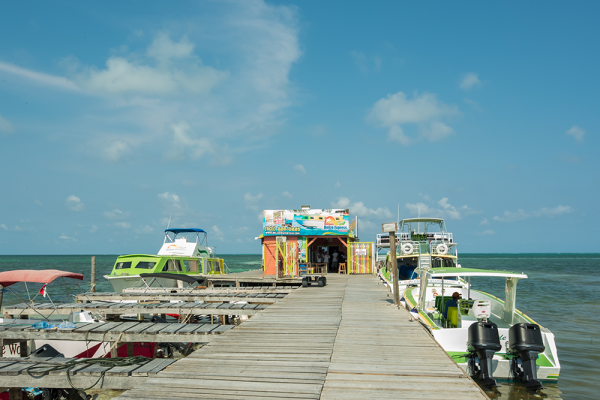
[487,336]
[421,244]
[178,256]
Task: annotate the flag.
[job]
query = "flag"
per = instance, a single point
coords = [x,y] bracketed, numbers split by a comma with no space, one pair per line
[43,290]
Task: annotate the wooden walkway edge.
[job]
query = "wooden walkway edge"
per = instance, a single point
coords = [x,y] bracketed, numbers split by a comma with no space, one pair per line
[344,341]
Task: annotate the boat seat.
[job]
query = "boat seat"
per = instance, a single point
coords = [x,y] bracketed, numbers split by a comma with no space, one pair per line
[440,302]
[453,316]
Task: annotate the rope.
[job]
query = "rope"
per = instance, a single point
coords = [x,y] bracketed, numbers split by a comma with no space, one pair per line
[102,362]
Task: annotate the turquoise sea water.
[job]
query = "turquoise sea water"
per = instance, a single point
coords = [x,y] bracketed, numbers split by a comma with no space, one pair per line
[560,294]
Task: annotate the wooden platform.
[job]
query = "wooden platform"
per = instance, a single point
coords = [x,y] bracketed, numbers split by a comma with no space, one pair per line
[251,278]
[252,298]
[111,309]
[344,341]
[125,332]
[13,373]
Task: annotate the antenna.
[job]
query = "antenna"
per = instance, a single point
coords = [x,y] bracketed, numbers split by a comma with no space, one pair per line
[169,224]
[398,213]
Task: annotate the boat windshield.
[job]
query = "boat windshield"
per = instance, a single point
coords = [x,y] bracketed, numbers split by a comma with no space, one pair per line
[146,265]
[123,265]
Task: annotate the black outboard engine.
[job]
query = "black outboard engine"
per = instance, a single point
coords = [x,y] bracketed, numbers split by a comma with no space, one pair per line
[524,343]
[483,342]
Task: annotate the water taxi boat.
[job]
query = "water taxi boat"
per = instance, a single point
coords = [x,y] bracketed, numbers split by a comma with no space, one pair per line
[421,244]
[178,256]
[488,337]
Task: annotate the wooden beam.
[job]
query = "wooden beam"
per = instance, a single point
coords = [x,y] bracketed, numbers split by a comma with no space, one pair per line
[344,243]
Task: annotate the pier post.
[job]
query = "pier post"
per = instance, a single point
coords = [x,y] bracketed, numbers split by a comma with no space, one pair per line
[394,263]
[1,295]
[93,275]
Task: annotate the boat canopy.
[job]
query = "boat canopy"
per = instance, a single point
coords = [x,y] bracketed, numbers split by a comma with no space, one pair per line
[39,276]
[185,230]
[433,220]
[177,277]
[445,272]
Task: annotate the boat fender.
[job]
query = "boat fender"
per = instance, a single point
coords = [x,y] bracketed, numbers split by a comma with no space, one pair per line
[407,248]
[442,248]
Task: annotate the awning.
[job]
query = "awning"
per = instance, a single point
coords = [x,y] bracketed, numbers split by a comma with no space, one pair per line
[185,230]
[31,275]
[444,272]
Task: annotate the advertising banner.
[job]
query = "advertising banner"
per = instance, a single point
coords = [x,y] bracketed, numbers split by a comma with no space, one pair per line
[306,222]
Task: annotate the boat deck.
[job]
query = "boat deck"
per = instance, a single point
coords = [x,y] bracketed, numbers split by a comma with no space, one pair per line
[343,341]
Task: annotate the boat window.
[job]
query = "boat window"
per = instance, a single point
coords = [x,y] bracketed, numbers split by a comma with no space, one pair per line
[172,265]
[145,265]
[123,265]
[186,265]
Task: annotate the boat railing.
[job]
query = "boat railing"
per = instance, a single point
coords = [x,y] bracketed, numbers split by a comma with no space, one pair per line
[409,247]
[436,249]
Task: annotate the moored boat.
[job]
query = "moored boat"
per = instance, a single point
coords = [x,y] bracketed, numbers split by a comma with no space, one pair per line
[178,256]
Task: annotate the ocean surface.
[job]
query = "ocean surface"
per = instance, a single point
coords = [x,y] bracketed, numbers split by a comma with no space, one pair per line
[560,294]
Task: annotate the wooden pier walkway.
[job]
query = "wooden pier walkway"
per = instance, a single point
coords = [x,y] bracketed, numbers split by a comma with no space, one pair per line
[343,341]
[13,373]
[109,309]
[124,332]
[252,298]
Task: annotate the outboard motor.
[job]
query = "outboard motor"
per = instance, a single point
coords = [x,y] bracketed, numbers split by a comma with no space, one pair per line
[483,342]
[524,343]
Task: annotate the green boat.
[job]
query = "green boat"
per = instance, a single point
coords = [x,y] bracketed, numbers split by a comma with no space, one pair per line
[178,255]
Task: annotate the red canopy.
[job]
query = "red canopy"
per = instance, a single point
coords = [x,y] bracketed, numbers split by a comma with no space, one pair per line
[31,275]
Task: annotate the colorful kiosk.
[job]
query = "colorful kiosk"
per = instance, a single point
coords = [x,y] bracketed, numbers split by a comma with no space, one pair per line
[296,242]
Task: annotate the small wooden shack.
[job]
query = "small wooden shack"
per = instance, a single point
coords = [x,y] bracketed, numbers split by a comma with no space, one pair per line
[297,242]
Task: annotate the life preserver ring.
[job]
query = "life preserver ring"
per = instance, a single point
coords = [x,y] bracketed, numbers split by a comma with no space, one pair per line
[442,248]
[407,248]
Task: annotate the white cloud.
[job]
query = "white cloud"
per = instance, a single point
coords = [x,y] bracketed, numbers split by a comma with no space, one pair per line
[469,81]
[171,67]
[486,232]
[287,194]
[218,233]
[172,204]
[359,209]
[577,132]
[424,111]
[67,238]
[116,150]
[93,229]
[337,185]
[233,102]
[319,130]
[484,222]
[300,168]
[5,126]
[144,230]
[74,203]
[124,225]
[4,227]
[553,212]
[252,200]
[39,203]
[116,214]
[446,210]
[39,78]
[520,214]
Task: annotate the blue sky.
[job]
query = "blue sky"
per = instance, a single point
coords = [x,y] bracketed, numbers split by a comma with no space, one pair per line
[115,117]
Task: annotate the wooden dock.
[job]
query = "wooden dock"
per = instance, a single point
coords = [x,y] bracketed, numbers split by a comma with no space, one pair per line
[251,298]
[343,341]
[111,309]
[13,373]
[124,332]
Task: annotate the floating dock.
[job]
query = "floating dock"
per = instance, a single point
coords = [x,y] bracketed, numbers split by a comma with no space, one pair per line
[343,341]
